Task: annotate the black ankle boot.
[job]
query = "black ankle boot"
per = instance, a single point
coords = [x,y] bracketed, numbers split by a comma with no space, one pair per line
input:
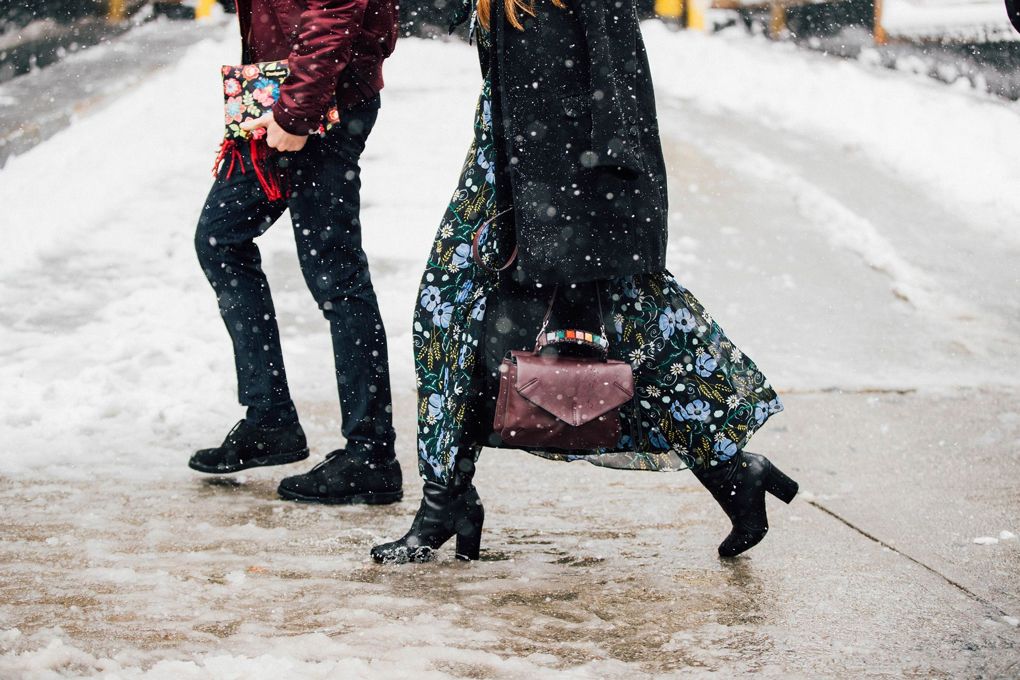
[445,511]
[739,485]
[348,476]
[248,446]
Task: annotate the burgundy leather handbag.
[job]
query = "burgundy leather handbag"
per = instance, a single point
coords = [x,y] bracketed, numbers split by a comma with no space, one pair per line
[566,402]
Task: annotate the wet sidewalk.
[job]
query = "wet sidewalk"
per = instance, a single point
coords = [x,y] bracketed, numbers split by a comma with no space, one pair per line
[585,572]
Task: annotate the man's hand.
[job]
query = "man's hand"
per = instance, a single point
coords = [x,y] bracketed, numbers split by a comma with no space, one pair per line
[276,136]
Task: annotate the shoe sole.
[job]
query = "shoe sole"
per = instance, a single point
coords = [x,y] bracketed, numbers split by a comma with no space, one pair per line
[384,498]
[265,461]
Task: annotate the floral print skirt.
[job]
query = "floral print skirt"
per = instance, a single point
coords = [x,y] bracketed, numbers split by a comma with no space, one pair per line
[698,397]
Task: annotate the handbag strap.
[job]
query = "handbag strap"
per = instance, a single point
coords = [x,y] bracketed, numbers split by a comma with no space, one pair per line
[598,341]
[476,244]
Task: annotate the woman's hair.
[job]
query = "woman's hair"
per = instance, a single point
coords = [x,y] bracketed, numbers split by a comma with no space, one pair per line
[511,8]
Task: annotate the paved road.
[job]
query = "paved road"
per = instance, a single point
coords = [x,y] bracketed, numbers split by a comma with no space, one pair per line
[853,292]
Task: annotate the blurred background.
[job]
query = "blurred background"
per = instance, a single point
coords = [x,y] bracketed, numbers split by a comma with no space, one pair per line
[947,39]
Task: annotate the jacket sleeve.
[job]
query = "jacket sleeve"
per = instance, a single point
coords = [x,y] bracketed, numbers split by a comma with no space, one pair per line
[616,138]
[324,48]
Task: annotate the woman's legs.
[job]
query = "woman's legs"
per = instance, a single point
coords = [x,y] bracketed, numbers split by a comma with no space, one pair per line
[739,486]
[449,324]
[447,510]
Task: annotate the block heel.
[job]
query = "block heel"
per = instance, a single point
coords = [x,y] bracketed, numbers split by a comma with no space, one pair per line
[469,542]
[780,485]
[739,485]
[445,512]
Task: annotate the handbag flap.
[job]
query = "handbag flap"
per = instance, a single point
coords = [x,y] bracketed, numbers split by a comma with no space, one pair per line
[576,391]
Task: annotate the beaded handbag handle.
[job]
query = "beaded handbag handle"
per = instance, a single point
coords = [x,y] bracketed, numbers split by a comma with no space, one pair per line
[598,341]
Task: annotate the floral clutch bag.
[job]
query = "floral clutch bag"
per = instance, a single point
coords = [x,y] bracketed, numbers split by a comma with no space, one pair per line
[251,90]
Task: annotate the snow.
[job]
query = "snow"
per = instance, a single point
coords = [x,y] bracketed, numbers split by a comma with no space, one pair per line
[962,20]
[963,146]
[986,540]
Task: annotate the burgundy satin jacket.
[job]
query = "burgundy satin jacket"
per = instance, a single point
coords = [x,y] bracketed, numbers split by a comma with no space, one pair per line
[332,46]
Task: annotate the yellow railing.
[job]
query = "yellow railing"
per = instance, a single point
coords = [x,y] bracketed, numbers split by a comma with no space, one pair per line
[204,8]
[115,10]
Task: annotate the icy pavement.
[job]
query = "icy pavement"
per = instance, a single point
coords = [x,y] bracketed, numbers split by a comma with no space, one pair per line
[33,109]
[867,262]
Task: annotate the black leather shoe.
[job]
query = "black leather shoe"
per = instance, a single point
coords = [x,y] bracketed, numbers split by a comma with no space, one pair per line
[347,476]
[739,486]
[248,446]
[445,511]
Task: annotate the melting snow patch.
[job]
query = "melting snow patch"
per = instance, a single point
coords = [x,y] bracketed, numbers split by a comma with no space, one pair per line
[1011,620]
[1006,536]
[986,540]
[235,578]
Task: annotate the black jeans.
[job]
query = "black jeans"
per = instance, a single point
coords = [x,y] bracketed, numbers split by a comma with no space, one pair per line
[324,205]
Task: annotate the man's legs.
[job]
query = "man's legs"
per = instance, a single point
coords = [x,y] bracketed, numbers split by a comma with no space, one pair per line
[324,205]
[236,212]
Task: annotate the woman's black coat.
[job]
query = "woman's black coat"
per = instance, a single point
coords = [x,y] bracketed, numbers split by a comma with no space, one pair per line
[578,141]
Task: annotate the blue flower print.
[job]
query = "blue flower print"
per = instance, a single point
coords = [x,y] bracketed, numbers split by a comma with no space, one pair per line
[462,357]
[667,322]
[657,440]
[436,402]
[478,311]
[483,238]
[442,315]
[685,320]
[761,412]
[462,256]
[696,410]
[629,287]
[487,113]
[725,449]
[775,406]
[430,297]
[465,291]
[484,164]
[705,365]
[233,108]
[270,91]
